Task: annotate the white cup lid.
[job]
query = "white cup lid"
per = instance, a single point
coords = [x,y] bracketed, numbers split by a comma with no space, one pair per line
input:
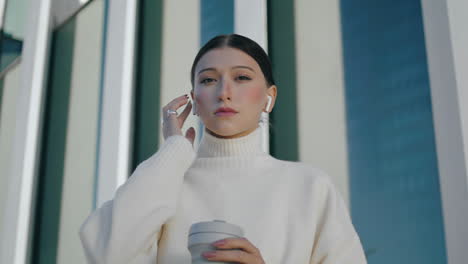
[217,226]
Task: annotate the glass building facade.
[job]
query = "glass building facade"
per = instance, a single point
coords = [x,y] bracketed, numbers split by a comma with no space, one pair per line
[394,180]
[358,97]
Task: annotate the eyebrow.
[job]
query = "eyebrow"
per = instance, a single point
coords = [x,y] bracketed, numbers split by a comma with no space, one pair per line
[214,69]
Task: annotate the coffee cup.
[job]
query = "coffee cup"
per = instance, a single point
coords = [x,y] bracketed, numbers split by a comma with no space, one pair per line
[203,234]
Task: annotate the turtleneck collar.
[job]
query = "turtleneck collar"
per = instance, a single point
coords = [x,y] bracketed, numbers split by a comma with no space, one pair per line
[248,145]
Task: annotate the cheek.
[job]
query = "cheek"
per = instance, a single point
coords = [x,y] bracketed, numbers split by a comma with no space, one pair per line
[254,95]
[202,97]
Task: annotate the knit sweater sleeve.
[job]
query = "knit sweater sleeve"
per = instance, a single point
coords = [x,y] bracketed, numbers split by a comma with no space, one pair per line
[336,240]
[127,228]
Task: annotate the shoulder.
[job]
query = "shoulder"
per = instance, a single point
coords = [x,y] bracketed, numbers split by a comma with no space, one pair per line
[307,185]
[302,172]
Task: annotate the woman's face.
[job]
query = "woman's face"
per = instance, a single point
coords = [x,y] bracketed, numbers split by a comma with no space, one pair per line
[229,78]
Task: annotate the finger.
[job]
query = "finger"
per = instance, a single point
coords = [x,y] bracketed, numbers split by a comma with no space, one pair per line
[183,116]
[173,105]
[237,256]
[190,134]
[237,243]
[177,102]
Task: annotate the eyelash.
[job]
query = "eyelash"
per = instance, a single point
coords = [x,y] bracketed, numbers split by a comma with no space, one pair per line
[245,77]
[240,77]
[204,81]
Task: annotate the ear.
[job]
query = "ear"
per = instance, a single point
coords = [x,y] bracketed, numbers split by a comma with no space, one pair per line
[271,92]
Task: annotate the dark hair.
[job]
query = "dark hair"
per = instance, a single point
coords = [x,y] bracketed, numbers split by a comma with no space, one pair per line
[241,43]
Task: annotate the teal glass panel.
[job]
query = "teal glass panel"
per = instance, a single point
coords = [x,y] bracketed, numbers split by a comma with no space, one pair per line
[148,81]
[394,181]
[284,143]
[12,31]
[217,17]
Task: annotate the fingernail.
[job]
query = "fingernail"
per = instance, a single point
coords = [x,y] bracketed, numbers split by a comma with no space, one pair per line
[209,254]
[219,243]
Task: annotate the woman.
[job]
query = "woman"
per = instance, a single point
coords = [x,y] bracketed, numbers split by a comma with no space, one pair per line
[290,212]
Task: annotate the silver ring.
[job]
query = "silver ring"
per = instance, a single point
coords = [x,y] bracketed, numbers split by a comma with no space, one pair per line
[171,112]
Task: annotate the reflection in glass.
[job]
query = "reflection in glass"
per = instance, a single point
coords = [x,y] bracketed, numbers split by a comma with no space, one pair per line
[12,31]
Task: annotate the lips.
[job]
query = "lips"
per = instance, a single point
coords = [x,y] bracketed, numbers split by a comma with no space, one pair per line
[225,110]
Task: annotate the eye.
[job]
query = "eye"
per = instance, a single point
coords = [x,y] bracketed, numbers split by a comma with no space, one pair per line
[243,78]
[207,80]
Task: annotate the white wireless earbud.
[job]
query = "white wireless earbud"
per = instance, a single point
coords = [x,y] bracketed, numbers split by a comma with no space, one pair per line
[268,104]
[194,107]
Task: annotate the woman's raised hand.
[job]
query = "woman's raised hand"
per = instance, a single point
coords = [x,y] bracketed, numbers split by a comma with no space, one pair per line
[172,123]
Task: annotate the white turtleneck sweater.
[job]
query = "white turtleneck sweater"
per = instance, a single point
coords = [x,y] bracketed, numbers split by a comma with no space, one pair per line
[289,210]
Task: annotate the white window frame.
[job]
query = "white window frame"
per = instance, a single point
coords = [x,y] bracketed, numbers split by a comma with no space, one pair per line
[446,41]
[115,133]
[19,209]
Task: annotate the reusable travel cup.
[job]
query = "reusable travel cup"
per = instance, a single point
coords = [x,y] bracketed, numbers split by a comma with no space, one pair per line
[203,234]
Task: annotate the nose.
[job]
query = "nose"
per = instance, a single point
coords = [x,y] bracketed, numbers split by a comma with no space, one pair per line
[224,90]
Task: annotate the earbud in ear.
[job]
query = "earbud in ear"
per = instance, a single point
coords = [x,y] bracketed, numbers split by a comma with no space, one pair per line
[268,104]
[194,107]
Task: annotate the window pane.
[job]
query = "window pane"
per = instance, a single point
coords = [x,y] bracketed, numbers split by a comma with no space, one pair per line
[12,32]
[67,174]
[394,181]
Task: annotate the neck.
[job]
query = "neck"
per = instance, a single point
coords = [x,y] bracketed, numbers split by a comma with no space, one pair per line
[248,144]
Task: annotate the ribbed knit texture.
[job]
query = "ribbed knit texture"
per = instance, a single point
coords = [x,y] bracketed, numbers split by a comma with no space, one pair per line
[289,210]
[247,146]
[216,153]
